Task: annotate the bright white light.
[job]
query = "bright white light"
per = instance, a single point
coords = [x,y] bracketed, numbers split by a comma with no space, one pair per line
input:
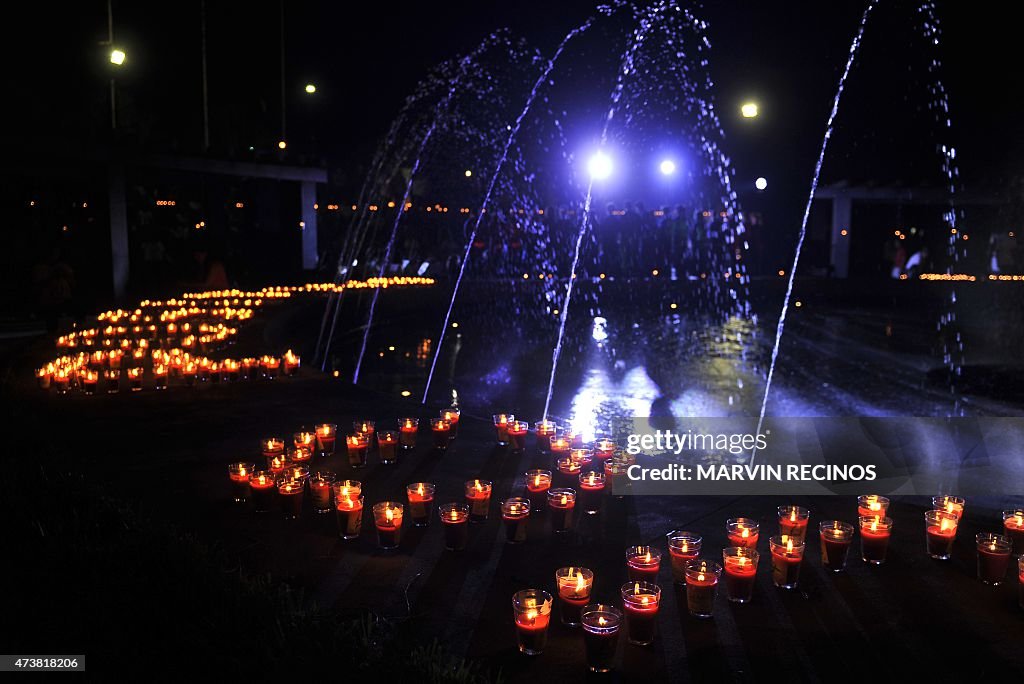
[749,110]
[117,57]
[761,183]
[599,333]
[600,166]
[667,167]
[469,173]
[310,88]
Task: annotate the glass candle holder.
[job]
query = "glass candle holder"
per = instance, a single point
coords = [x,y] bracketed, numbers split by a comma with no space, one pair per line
[262,489]
[787,557]
[455,520]
[517,431]
[357,447]
[240,474]
[365,427]
[949,503]
[574,587]
[701,580]
[874,538]
[591,489]
[326,436]
[616,470]
[643,563]
[939,533]
[135,379]
[452,414]
[740,564]
[299,473]
[604,448]
[112,381]
[1013,528]
[683,547]
[301,454]
[387,516]
[993,557]
[793,522]
[641,601]
[567,471]
[304,439]
[544,429]
[289,493]
[501,423]
[538,482]
[515,514]
[836,537]
[478,498]
[561,502]
[531,609]
[387,446]
[407,429]
[421,502]
[277,464]
[1020,582]
[872,506]
[320,485]
[347,489]
[742,532]
[440,428]
[559,445]
[601,625]
[349,512]
[583,456]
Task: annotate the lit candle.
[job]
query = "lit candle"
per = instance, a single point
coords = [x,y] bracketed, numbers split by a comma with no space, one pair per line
[271,367]
[742,532]
[300,454]
[574,586]
[421,500]
[320,491]
[350,515]
[160,377]
[61,381]
[561,502]
[616,469]
[455,519]
[643,563]
[387,446]
[135,379]
[408,427]
[545,429]
[568,471]
[478,498]
[347,489]
[89,380]
[872,505]
[365,427]
[531,609]
[836,538]
[874,538]
[538,482]
[440,429]
[516,431]
[601,625]
[559,445]
[993,557]
[326,435]
[515,513]
[793,522]
[604,448]
[1013,528]
[452,415]
[289,493]
[950,504]
[740,569]
[501,423]
[591,489]
[940,531]
[291,363]
[683,547]
[113,381]
[43,378]
[787,556]
[387,515]
[641,601]
[239,474]
[701,580]
[356,445]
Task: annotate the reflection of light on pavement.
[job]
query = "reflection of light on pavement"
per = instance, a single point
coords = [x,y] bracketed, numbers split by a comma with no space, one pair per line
[601,396]
[599,333]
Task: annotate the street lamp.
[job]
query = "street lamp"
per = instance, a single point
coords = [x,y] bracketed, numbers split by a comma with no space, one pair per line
[117,57]
[667,167]
[281,144]
[310,88]
[749,110]
[761,183]
[469,173]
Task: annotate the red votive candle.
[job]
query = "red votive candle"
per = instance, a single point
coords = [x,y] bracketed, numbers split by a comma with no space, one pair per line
[568,471]
[836,538]
[683,547]
[574,586]
[591,489]
[545,429]
[740,570]
[365,427]
[787,556]
[301,455]
[326,435]
[517,430]
[262,488]
[532,611]
[320,486]
[872,506]
[113,381]
[559,445]
[561,501]
[440,429]
[1020,582]
[1013,528]
[455,519]
[387,516]
[538,482]
[616,469]
[478,498]
[421,502]
[452,415]
[349,510]
[347,489]
[501,423]
[940,531]
[407,429]
[289,493]
[950,504]
[641,601]
[299,473]
[604,448]
[515,513]
[357,446]
[874,538]
[793,522]
[240,474]
[135,379]
[304,439]
[601,625]
[993,557]
[91,378]
[643,563]
[742,532]
[701,579]
[277,464]
[387,446]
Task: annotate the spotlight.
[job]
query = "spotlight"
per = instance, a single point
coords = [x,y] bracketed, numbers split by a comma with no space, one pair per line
[749,110]
[761,183]
[600,166]
[667,167]
[117,57]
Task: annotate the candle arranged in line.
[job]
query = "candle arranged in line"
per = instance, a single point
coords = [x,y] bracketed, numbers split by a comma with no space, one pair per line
[616,470]
[421,502]
[604,448]
[320,485]
[301,454]
[387,447]
[940,531]
[683,547]
[872,506]
[455,519]
[561,502]
[387,516]
[347,489]
[993,557]
[515,514]
[531,609]
[574,587]
[701,580]
[517,430]
[559,445]
[239,474]
[452,414]
[326,435]
[349,511]
[538,482]
[304,439]
[407,429]
[501,423]
[601,625]
[357,446]
[440,428]
[643,563]
[641,601]
[953,505]
[740,563]
[874,538]
[289,493]
[1013,528]
[368,428]
[568,471]
[835,537]
[262,489]
[793,521]
[478,498]
[591,490]
[787,557]
[545,429]
[742,532]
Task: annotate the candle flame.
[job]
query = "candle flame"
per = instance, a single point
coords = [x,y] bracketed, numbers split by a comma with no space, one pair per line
[536,480]
[419,490]
[455,514]
[592,477]
[874,506]
[949,506]
[565,499]
[742,561]
[325,430]
[1019,519]
[636,587]
[581,583]
[389,514]
[601,622]
[745,532]
[789,545]
[874,525]
[945,524]
[241,471]
[700,577]
[531,614]
[792,515]
[263,479]
[647,558]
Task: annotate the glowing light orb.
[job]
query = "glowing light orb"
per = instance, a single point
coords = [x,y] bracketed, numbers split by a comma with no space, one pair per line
[600,166]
